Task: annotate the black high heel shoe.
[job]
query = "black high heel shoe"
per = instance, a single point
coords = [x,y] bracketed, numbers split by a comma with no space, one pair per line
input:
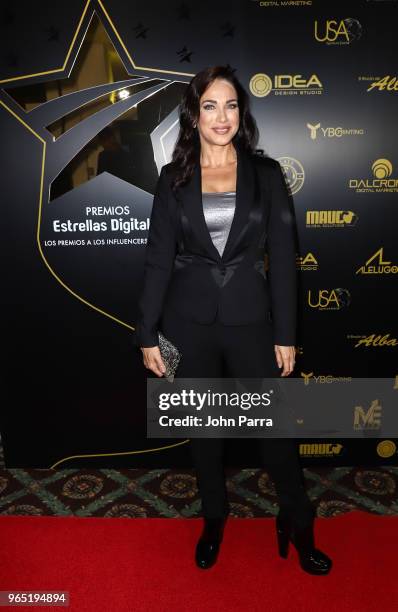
[312,560]
[209,542]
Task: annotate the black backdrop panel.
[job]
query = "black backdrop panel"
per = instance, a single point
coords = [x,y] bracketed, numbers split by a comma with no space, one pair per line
[89,114]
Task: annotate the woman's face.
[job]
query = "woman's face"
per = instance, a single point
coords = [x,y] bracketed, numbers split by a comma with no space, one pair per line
[219,113]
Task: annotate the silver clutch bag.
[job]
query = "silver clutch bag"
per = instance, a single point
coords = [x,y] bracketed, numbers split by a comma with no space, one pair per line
[171,356]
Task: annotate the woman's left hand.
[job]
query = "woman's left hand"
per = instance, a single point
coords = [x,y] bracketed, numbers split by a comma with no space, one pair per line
[285,357]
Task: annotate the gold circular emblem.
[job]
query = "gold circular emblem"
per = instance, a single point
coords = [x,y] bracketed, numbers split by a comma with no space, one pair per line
[386,448]
[260,85]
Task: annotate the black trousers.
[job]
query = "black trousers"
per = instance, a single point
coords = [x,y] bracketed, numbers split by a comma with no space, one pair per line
[217,350]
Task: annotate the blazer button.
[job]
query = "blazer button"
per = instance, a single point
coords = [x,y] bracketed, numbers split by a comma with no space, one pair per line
[223,270]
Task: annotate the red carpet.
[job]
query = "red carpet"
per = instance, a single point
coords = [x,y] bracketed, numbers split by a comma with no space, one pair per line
[126,565]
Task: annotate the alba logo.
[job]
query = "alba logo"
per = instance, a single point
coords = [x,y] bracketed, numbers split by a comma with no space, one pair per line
[374,340]
[387,83]
[381,183]
[262,85]
[330,218]
[329,299]
[294,173]
[376,265]
[306,263]
[333,32]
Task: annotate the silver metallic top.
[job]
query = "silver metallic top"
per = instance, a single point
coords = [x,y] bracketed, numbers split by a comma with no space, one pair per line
[219,209]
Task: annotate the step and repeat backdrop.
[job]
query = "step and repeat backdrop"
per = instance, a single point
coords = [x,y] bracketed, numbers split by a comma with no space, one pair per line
[89,98]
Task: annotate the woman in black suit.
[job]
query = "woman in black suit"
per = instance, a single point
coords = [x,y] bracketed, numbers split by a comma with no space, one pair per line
[218,206]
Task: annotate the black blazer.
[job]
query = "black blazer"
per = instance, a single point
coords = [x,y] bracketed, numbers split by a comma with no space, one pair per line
[184,271]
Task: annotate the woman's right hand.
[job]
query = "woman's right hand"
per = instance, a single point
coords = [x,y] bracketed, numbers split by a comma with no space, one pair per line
[153,360]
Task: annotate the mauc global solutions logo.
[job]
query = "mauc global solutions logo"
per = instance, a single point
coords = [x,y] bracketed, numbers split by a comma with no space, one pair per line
[329,299]
[377,265]
[330,218]
[320,449]
[294,173]
[334,32]
[316,130]
[382,182]
[307,262]
[262,85]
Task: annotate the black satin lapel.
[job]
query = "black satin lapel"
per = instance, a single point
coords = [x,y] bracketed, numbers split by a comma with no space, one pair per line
[192,210]
[245,192]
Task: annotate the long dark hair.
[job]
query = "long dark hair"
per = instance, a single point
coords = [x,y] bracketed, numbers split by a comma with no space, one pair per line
[187,147]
